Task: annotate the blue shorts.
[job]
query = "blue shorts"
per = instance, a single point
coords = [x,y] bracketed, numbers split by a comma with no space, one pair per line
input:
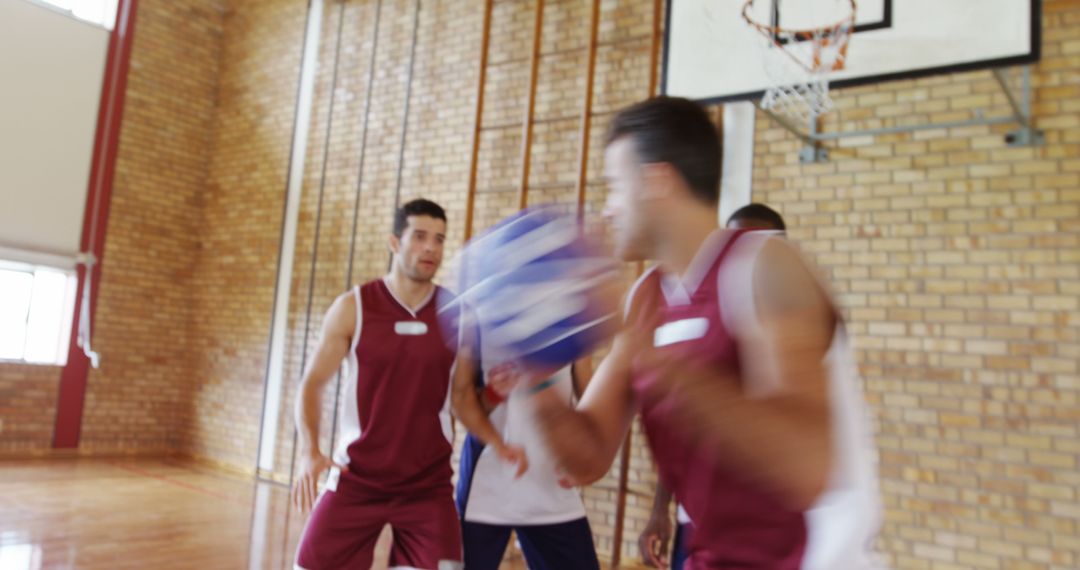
[680,549]
[561,546]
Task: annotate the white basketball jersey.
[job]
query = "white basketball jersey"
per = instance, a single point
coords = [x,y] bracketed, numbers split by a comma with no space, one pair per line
[536,498]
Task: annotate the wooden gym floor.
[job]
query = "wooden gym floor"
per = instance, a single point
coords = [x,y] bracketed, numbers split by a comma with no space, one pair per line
[126,513]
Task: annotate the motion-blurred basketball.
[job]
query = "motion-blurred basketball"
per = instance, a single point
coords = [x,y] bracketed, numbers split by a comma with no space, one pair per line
[539,288]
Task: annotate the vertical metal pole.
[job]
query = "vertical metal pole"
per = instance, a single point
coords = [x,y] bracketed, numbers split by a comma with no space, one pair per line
[530,105]
[1025,94]
[624,459]
[485,41]
[586,108]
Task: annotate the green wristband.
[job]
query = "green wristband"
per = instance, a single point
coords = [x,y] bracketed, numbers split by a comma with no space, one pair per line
[543,385]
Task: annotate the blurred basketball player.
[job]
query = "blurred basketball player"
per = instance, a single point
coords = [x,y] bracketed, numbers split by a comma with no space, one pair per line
[653,540]
[734,355]
[392,465]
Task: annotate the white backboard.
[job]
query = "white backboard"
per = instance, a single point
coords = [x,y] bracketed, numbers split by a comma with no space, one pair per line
[711,54]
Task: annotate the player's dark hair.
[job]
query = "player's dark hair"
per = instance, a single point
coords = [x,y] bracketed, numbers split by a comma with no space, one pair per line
[676,131]
[760,213]
[418,207]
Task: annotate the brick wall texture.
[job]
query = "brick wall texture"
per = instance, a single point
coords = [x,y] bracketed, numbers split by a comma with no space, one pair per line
[955,259]
[954,256]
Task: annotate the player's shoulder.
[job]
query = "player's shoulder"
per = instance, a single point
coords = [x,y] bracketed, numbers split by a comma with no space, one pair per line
[373,294]
[342,312]
[758,239]
[785,277]
[368,285]
[345,299]
[780,259]
[652,272]
[752,250]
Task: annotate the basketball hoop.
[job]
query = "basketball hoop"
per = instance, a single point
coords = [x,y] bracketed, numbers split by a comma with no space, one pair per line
[798,62]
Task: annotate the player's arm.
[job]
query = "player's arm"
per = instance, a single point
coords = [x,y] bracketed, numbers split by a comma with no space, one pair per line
[653,540]
[585,440]
[582,373]
[781,439]
[469,411]
[334,342]
[485,401]
[794,444]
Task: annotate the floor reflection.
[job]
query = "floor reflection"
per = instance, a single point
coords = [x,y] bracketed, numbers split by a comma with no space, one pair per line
[163,514]
[93,513]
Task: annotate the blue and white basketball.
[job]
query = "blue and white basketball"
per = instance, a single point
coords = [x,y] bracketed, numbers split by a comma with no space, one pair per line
[539,289]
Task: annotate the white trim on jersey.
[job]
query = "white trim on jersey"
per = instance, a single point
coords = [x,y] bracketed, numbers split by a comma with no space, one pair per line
[847,515]
[678,290]
[349,428]
[633,290]
[431,295]
[844,519]
[359,320]
[681,515]
[446,413]
[738,309]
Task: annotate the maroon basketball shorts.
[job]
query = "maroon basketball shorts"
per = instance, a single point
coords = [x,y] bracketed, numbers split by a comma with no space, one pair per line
[344,527]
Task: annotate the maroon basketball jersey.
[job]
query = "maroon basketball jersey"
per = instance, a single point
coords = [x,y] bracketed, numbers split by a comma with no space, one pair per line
[736,523]
[395,434]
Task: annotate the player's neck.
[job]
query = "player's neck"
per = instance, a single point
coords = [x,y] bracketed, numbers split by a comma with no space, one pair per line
[683,240]
[409,291]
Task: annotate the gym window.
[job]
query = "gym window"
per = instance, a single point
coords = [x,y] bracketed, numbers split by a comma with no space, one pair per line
[99,12]
[36,308]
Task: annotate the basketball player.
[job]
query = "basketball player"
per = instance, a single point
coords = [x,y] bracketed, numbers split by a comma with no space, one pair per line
[733,354]
[756,217]
[392,465]
[507,480]
[653,540]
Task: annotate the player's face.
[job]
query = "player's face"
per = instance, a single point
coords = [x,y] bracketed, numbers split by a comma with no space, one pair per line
[419,250]
[626,204]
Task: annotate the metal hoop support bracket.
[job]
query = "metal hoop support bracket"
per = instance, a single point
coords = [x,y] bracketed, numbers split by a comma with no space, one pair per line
[1026,134]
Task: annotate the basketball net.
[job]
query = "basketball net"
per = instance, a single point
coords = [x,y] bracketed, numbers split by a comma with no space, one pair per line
[798,62]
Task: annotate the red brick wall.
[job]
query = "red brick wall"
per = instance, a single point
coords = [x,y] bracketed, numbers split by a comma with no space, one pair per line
[27,407]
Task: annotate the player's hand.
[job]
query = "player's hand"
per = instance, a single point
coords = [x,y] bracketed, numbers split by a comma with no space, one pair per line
[514,455]
[504,377]
[306,488]
[654,540]
[566,481]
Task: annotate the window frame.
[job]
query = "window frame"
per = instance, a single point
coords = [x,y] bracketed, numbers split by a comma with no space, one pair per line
[66,318]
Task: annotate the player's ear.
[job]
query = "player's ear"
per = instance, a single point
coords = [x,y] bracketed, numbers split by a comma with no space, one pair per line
[394,243]
[659,180]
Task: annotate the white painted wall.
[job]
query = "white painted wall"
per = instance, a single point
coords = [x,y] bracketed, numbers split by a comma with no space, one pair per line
[738,171]
[51,69]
